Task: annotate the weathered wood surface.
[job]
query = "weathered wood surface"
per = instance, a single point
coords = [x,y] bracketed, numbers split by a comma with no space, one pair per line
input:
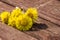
[47,30]
[51,12]
[50,9]
[9,33]
[5,7]
[25,3]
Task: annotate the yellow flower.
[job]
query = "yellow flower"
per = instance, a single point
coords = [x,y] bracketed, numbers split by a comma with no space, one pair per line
[14,15]
[12,21]
[32,12]
[16,12]
[4,16]
[24,22]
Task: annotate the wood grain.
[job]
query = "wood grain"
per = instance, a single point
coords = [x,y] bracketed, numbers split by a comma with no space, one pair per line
[48,9]
[25,3]
[10,33]
[51,12]
[44,30]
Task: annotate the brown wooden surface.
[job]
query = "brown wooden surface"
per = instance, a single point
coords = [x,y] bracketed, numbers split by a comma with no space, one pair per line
[49,8]
[47,27]
[9,33]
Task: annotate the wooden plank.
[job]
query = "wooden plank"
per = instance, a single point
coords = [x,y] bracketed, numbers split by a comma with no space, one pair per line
[51,27]
[9,33]
[25,3]
[5,7]
[53,6]
[51,12]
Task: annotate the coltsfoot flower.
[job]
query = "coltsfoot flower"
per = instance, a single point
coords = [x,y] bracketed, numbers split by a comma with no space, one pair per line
[32,12]
[4,16]
[16,12]
[24,22]
[12,21]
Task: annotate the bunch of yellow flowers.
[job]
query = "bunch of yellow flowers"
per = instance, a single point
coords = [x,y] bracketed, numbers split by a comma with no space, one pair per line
[18,19]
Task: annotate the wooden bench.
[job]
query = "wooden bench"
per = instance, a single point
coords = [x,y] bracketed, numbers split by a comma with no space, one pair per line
[47,26]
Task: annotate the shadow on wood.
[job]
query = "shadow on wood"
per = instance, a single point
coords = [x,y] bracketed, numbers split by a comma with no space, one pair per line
[37,27]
